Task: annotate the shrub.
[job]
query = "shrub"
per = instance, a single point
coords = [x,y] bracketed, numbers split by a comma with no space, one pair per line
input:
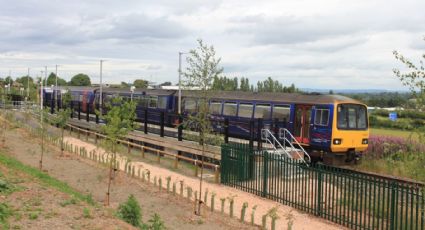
[130,211]
[156,223]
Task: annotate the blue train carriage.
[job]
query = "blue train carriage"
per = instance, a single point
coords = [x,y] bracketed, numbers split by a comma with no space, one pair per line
[316,121]
[155,101]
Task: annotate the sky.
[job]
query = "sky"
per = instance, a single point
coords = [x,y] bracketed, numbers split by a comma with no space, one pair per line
[326,44]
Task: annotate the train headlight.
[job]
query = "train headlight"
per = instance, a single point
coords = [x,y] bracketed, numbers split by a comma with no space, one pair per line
[337,141]
[365,141]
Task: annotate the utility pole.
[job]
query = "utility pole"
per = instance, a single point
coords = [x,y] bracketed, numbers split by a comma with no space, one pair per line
[100,91]
[28,84]
[180,78]
[56,87]
[45,76]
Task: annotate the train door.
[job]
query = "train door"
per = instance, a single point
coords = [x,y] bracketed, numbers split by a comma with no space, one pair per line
[302,123]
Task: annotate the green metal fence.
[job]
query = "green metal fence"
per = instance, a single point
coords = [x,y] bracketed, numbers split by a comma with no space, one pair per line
[353,199]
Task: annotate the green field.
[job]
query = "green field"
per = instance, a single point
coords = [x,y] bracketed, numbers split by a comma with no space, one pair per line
[394,133]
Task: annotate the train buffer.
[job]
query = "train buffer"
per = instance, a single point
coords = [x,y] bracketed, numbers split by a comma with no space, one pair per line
[285,144]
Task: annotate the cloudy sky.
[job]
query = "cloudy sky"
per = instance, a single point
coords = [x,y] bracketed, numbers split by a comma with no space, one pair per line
[314,44]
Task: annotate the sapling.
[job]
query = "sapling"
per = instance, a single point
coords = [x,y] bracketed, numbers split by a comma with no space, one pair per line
[244,206]
[119,120]
[222,204]
[212,201]
[181,188]
[62,115]
[160,183]
[253,214]
[273,215]
[264,221]
[206,196]
[174,188]
[148,175]
[168,178]
[203,68]
[189,192]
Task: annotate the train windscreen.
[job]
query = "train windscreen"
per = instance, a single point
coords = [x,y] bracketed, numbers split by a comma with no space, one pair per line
[352,116]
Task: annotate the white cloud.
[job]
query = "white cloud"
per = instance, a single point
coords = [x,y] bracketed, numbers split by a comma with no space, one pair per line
[314,44]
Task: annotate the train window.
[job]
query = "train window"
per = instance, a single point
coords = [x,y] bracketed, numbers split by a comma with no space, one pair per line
[281,112]
[230,109]
[153,101]
[321,117]
[351,116]
[189,105]
[245,110]
[144,101]
[361,119]
[162,102]
[81,97]
[262,111]
[215,107]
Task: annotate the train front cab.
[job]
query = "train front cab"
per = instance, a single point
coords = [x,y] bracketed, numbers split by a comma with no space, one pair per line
[350,132]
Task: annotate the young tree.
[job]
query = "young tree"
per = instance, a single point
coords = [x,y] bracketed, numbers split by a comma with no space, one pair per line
[203,68]
[119,121]
[414,78]
[62,115]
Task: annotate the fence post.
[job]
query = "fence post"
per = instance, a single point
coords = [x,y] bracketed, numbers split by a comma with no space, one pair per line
[87,112]
[319,191]
[161,130]
[393,186]
[145,120]
[265,172]
[72,109]
[251,134]
[79,110]
[226,130]
[260,126]
[180,128]
[97,115]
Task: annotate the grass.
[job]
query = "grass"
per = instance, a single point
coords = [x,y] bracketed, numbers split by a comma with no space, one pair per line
[44,178]
[394,133]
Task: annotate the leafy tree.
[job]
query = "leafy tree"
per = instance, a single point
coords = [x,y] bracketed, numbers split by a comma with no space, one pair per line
[80,80]
[62,116]
[119,121]
[8,80]
[141,84]
[203,68]
[51,80]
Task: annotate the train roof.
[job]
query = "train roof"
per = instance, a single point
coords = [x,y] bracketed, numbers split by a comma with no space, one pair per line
[275,97]
[162,92]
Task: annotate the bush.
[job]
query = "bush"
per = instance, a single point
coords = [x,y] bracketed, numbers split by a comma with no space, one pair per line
[130,211]
[156,223]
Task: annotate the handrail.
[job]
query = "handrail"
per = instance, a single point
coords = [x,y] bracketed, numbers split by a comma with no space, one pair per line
[265,134]
[284,131]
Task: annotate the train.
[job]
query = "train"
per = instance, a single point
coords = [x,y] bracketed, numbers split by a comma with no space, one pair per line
[333,128]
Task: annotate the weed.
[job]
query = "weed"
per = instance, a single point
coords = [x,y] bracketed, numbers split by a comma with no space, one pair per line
[68,202]
[33,216]
[5,213]
[86,213]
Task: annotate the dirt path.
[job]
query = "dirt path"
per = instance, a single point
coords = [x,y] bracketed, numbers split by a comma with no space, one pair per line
[89,177]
